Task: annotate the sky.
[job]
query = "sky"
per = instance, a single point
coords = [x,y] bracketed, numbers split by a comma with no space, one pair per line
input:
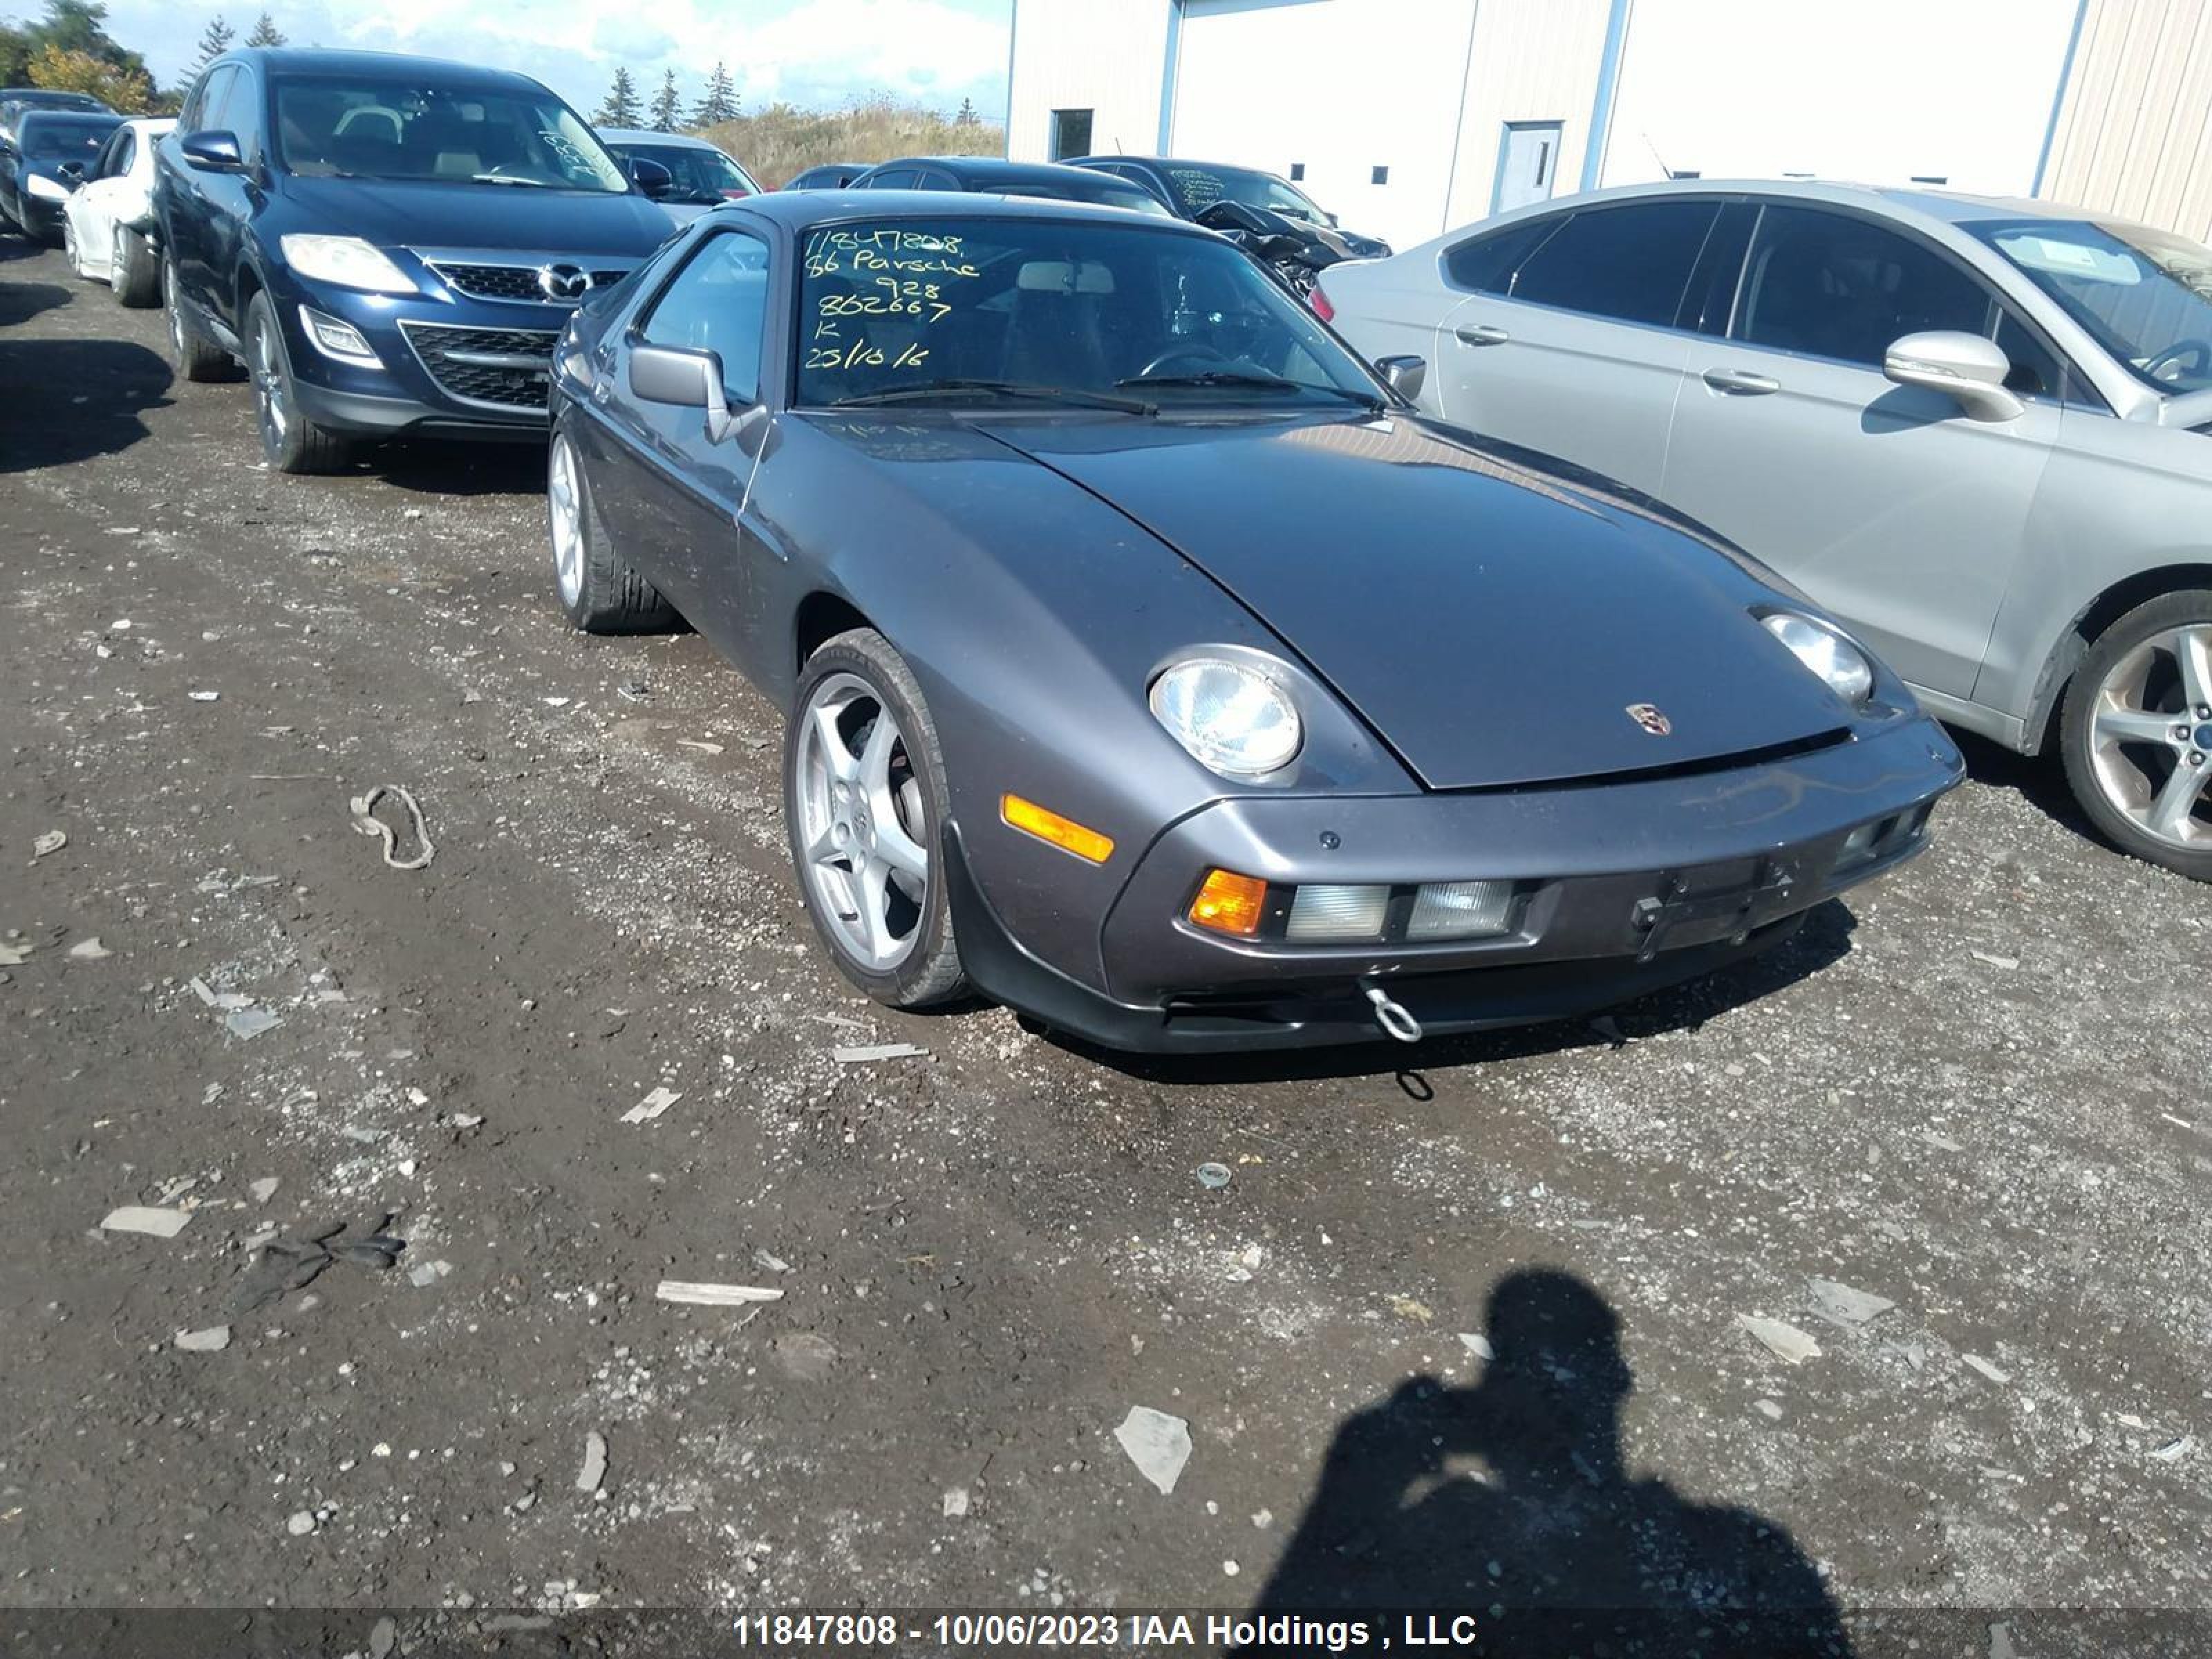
[817,54]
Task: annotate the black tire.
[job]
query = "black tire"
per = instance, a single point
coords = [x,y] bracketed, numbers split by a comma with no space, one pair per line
[194,356]
[600,593]
[2142,769]
[70,249]
[134,272]
[930,973]
[291,441]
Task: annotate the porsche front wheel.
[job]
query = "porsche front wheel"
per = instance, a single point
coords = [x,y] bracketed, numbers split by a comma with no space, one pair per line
[865,804]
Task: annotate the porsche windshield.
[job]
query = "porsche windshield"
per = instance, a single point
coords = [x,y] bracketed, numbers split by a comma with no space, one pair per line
[963,310]
[395,129]
[2144,295]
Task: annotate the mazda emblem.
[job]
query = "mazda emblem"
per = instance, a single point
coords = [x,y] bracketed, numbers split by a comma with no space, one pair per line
[1647,716]
[563,282]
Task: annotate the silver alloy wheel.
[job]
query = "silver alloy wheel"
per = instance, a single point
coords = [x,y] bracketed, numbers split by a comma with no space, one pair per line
[862,827]
[69,246]
[115,258]
[2150,736]
[565,508]
[268,387]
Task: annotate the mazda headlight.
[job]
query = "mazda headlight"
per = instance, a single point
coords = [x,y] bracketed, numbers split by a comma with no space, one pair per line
[1233,717]
[345,262]
[1841,665]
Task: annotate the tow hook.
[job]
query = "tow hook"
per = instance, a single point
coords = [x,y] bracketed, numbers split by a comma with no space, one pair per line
[1395,1019]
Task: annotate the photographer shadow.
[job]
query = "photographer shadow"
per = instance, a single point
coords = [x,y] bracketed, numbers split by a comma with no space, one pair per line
[1550,1545]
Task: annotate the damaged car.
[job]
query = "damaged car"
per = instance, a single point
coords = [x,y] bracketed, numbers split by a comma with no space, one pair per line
[1152,666]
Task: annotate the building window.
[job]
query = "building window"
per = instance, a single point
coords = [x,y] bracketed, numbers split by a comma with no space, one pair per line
[1382,176]
[1297,172]
[1071,133]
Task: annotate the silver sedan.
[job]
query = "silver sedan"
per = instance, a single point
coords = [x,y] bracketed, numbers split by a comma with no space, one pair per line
[1974,429]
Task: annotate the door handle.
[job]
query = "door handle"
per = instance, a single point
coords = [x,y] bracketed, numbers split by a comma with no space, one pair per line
[1741,382]
[1481,334]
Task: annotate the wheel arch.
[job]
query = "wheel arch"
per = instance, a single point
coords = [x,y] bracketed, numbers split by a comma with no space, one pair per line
[2089,624]
[821,617]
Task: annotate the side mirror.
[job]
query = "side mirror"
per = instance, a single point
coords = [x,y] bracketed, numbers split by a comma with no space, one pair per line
[1403,375]
[1965,367]
[212,152]
[693,379]
[652,178]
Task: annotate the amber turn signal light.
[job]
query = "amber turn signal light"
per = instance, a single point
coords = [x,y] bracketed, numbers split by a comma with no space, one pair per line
[1047,826]
[1230,903]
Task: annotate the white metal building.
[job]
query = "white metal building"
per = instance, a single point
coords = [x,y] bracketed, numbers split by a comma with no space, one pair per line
[1407,118]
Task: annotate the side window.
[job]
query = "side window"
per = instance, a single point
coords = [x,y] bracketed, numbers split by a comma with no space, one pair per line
[896,179]
[1628,263]
[1485,264]
[929,179]
[1833,286]
[2038,371]
[719,303]
[126,152]
[205,114]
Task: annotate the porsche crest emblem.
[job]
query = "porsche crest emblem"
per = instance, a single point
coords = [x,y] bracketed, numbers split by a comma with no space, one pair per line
[1647,716]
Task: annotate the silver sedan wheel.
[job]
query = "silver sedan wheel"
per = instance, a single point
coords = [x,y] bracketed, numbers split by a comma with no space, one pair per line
[2150,736]
[115,257]
[69,250]
[861,827]
[565,506]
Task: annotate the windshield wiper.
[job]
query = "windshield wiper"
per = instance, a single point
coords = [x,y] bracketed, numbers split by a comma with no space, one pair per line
[1058,394]
[1224,377]
[509,179]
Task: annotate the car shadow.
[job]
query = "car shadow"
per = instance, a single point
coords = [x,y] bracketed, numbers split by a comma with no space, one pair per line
[1510,1502]
[116,382]
[1825,938]
[429,466]
[21,302]
[2039,779]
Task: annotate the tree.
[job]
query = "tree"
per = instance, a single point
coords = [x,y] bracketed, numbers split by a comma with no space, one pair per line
[621,108]
[667,109]
[215,40]
[118,87]
[720,102]
[967,118]
[76,26]
[265,32]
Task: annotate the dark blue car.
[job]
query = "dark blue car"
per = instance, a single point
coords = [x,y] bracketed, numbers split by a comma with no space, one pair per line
[390,244]
[44,156]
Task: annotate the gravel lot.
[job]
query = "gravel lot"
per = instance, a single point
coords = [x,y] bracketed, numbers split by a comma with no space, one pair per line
[1978,1093]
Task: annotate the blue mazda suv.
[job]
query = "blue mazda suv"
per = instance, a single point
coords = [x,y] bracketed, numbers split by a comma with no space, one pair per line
[389,244]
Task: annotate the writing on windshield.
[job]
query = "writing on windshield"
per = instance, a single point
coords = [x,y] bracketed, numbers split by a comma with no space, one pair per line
[860,278]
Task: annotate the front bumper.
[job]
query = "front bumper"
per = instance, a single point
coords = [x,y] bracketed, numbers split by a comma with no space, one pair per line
[448,360]
[1624,887]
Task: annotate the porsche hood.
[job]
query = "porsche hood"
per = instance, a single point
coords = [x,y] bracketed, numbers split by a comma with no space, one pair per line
[1493,624]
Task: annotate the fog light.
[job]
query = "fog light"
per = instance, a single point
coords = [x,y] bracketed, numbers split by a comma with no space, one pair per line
[1461,909]
[1230,903]
[1858,845]
[1322,914]
[335,337]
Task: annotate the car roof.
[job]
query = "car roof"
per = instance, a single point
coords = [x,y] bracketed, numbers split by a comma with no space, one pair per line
[283,61]
[71,118]
[1178,162]
[978,168]
[801,210]
[645,136]
[1951,207]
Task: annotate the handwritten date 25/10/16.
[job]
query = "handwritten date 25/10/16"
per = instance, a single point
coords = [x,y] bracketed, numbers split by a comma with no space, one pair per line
[861,354]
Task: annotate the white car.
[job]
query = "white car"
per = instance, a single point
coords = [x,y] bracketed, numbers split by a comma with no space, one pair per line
[1974,429]
[107,222]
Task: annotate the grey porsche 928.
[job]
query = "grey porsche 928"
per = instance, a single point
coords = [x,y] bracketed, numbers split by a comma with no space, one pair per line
[1152,667]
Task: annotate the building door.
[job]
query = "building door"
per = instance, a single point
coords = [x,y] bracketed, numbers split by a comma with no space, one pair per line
[1528,165]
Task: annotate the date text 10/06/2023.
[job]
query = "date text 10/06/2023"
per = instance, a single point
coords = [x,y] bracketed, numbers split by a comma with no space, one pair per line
[884,273]
[1368,1633]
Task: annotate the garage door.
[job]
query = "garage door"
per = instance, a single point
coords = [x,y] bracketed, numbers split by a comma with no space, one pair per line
[1957,95]
[1363,94]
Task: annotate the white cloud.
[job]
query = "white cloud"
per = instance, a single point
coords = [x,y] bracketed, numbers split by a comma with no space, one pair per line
[810,51]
